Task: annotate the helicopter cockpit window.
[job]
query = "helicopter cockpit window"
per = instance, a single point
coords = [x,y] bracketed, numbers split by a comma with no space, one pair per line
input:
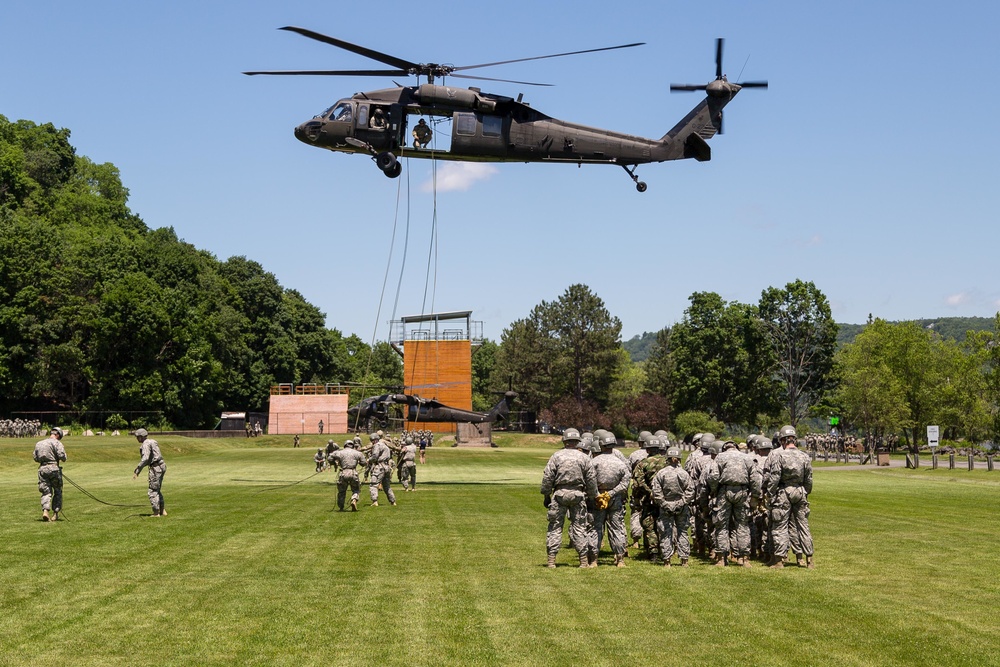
[492,126]
[324,114]
[342,112]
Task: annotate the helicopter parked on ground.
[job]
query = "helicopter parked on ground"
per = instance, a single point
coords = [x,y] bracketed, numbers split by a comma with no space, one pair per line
[494,128]
[376,410]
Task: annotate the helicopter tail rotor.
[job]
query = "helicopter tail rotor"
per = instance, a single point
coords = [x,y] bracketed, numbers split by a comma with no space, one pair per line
[720,87]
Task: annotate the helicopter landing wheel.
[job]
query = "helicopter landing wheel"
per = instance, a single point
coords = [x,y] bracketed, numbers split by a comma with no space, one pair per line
[640,186]
[394,171]
[385,161]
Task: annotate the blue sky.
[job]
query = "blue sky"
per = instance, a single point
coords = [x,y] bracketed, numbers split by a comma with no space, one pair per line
[868,167]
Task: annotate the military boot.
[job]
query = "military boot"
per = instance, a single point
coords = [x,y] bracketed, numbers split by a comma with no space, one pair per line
[45,515]
[584,561]
[354,504]
[745,561]
[552,561]
[776,563]
[809,563]
[719,559]
[619,561]
[684,562]
[592,559]
[375,504]
[798,560]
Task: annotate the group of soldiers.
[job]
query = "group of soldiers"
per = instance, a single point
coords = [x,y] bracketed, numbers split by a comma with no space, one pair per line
[19,428]
[378,459]
[738,500]
[50,453]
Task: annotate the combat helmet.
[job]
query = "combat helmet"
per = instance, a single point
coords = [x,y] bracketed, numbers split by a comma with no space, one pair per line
[706,441]
[673,453]
[571,435]
[644,437]
[139,432]
[608,439]
[653,442]
[696,439]
[763,443]
[663,436]
[786,431]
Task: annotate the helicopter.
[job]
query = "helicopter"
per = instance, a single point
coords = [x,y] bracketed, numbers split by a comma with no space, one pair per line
[375,409]
[493,128]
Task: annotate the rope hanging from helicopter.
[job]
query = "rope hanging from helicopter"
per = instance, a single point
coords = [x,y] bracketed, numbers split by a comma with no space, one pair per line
[430,277]
[385,280]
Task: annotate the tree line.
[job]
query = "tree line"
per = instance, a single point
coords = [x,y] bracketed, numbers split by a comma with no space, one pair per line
[748,368]
[99,312]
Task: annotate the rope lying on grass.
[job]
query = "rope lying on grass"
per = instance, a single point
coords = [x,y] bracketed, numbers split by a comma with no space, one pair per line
[285,486]
[93,497]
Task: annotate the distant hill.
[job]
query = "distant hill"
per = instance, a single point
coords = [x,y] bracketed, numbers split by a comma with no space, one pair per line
[948,327]
[638,346]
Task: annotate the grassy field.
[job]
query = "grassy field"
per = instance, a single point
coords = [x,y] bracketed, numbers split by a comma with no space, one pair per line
[247,571]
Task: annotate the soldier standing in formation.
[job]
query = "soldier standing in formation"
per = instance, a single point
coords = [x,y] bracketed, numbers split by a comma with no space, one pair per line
[48,454]
[348,460]
[734,483]
[635,508]
[673,494]
[613,476]
[642,487]
[789,485]
[567,482]
[149,455]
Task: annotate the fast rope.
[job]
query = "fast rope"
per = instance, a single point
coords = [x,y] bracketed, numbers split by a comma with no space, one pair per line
[285,486]
[93,497]
[385,280]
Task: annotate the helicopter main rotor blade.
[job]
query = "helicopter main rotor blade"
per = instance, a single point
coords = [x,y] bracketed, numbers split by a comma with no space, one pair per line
[354,48]
[753,84]
[351,72]
[486,78]
[554,55]
[718,57]
[686,87]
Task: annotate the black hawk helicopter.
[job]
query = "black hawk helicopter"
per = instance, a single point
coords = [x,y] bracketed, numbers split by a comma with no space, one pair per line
[494,128]
[375,410]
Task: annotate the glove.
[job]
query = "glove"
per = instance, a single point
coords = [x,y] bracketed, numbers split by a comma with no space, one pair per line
[547,500]
[603,500]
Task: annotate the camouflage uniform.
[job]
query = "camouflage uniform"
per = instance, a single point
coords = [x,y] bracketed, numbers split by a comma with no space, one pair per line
[701,506]
[612,477]
[348,460]
[149,455]
[673,493]
[569,479]
[734,482]
[380,461]
[789,486]
[642,479]
[48,454]
[408,466]
[635,508]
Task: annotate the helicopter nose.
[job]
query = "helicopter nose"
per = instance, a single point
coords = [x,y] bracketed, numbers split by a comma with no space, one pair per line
[308,132]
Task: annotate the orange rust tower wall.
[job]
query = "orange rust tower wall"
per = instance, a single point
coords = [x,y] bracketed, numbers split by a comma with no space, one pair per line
[440,369]
[302,414]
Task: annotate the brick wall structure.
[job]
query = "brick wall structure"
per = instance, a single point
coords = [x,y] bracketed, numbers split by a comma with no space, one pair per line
[290,414]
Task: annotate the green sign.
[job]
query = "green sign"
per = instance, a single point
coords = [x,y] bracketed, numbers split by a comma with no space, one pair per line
[834,421]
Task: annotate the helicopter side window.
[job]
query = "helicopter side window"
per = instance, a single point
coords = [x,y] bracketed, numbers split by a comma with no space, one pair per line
[465,124]
[492,126]
[342,112]
[362,115]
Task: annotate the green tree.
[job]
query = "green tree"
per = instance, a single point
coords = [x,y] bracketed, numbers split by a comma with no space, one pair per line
[803,336]
[568,347]
[483,362]
[720,361]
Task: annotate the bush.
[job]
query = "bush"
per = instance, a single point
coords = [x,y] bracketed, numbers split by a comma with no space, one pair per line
[116,422]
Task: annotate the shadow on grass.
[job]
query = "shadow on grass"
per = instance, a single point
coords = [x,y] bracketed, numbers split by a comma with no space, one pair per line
[470,483]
